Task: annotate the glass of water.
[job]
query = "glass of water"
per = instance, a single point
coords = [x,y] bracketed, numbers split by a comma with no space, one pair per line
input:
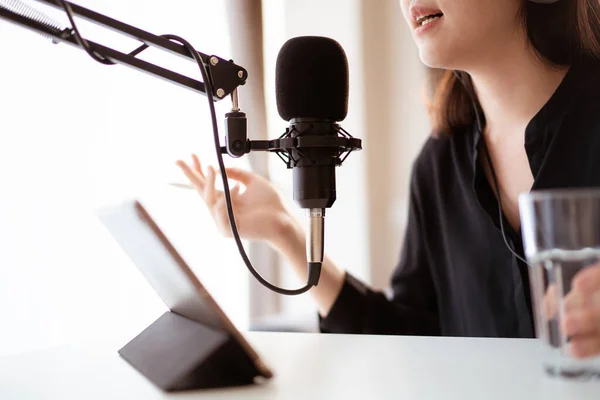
[561,237]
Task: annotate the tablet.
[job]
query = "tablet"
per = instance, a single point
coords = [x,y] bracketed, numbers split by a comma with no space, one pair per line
[168,273]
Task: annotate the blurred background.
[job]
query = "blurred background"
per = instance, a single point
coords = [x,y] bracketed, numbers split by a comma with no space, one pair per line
[76,135]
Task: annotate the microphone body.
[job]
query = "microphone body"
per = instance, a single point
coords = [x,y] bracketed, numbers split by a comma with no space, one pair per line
[314,180]
[312,95]
[314,169]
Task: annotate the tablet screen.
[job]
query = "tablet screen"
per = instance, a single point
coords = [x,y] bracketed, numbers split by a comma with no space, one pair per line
[166,271]
[132,230]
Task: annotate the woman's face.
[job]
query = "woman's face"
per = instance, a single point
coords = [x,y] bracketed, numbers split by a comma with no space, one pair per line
[459,34]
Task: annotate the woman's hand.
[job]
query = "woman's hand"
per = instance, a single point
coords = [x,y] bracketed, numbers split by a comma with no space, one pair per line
[259,211]
[582,313]
[260,214]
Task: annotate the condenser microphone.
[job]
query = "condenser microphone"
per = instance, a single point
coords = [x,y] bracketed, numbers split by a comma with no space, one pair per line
[312,95]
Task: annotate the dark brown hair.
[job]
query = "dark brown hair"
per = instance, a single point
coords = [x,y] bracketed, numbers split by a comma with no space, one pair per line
[561,34]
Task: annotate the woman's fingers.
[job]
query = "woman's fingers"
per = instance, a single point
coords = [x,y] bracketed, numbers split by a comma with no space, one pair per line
[551,301]
[239,175]
[582,316]
[195,178]
[197,165]
[219,211]
[235,190]
[220,206]
[582,322]
[210,193]
[205,184]
[585,346]
[588,280]
[574,300]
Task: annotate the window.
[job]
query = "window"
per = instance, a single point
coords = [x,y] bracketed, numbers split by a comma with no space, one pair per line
[76,135]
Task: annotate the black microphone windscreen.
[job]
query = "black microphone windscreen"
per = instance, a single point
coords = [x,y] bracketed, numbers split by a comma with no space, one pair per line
[311,79]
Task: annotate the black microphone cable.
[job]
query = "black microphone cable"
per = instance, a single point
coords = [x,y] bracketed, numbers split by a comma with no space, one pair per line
[313,276]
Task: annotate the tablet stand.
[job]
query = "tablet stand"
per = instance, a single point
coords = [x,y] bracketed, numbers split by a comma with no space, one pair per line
[176,353]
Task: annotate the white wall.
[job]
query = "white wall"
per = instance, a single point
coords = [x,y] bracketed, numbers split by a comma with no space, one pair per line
[74,135]
[396,125]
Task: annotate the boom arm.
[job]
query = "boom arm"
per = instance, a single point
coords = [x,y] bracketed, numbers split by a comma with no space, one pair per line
[225,75]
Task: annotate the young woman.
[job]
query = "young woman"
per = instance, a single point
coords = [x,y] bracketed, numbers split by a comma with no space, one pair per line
[533,73]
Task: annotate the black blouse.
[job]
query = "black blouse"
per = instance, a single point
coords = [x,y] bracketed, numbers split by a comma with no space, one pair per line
[456,277]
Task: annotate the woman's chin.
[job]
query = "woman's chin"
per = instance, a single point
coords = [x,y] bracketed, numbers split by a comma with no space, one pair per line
[435,58]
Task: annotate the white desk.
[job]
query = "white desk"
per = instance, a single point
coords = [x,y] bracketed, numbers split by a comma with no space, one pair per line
[313,366]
